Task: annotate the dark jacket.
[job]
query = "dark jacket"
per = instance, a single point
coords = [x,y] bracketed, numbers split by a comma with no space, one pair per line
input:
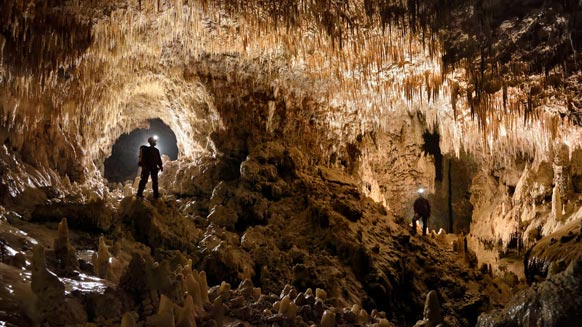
[422,207]
[150,157]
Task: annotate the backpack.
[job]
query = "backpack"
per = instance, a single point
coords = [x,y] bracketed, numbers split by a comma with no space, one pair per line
[140,159]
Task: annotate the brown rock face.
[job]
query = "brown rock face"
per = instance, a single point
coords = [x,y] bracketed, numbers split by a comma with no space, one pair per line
[551,303]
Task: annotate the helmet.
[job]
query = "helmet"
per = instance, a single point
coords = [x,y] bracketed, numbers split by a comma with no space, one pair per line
[152,139]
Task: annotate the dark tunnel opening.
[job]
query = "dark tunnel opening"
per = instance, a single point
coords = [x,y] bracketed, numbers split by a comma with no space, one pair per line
[432,146]
[122,164]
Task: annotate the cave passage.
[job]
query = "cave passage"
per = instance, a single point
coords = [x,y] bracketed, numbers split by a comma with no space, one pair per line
[432,146]
[122,164]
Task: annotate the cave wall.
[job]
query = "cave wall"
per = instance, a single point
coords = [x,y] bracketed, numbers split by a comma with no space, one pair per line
[75,76]
[517,206]
[391,165]
[451,198]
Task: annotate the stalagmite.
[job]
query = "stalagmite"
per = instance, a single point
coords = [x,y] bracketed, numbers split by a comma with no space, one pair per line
[101,260]
[328,319]
[64,251]
[384,323]
[285,290]
[186,317]
[256,292]
[203,287]
[292,310]
[165,315]
[50,291]
[320,294]
[557,203]
[224,287]
[194,290]
[128,190]
[218,311]
[129,319]
[363,317]
[286,307]
[284,304]
[432,311]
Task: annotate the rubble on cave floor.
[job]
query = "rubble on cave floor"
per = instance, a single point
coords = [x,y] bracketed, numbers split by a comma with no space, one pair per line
[278,227]
[102,301]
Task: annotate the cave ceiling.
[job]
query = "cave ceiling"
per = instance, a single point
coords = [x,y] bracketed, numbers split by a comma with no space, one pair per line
[491,76]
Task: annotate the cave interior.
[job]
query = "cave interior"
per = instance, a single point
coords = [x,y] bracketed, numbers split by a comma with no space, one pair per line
[294,135]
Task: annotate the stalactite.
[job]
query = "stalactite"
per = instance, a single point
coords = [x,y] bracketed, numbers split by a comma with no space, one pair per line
[380,56]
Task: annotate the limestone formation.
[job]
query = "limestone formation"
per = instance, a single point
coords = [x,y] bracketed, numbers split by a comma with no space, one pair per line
[363,317]
[134,279]
[328,319]
[64,251]
[432,309]
[223,217]
[165,315]
[49,290]
[547,257]
[320,294]
[194,290]
[553,302]
[129,319]
[186,316]
[102,260]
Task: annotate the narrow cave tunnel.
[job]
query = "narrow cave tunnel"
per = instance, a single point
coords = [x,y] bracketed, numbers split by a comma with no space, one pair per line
[122,164]
[255,225]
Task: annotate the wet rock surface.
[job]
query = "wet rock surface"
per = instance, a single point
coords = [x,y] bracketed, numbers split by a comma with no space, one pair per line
[553,302]
[553,253]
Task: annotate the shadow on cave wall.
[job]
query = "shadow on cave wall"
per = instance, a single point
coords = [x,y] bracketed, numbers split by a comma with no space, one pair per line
[451,206]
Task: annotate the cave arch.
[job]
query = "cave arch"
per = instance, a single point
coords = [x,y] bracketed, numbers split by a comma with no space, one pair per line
[182,105]
[121,165]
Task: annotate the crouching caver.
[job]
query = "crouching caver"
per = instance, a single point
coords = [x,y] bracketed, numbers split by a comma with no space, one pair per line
[150,162]
[421,210]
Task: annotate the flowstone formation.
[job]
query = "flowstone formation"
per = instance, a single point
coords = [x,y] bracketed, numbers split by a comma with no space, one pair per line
[303,130]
